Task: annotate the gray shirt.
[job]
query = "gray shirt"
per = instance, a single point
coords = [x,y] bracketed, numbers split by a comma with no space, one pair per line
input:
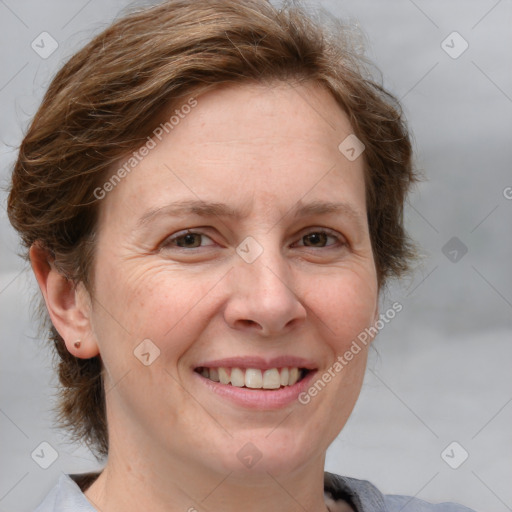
[342,494]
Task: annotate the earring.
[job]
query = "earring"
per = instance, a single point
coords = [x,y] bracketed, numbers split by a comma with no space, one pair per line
[78,343]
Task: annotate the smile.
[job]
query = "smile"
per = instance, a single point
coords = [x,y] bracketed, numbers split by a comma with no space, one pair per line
[254,378]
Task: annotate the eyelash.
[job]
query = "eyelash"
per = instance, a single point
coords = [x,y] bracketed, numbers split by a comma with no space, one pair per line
[173,238]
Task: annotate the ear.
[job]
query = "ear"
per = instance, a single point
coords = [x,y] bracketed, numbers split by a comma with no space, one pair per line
[69,305]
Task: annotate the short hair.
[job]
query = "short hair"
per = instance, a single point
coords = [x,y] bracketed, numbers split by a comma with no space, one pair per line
[104,101]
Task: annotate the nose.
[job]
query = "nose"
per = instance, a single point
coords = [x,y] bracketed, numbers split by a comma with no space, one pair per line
[263,299]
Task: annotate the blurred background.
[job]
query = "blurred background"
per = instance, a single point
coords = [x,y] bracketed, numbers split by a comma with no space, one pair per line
[435,412]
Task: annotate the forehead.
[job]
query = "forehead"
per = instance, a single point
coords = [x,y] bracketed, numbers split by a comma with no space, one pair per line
[252,114]
[249,143]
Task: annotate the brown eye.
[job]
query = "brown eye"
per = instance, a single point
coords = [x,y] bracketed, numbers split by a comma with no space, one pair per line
[189,240]
[185,240]
[316,238]
[319,239]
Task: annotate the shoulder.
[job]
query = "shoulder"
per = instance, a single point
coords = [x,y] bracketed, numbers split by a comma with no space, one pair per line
[65,496]
[408,503]
[363,496]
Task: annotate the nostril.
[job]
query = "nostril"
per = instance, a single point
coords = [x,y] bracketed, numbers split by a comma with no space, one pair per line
[249,322]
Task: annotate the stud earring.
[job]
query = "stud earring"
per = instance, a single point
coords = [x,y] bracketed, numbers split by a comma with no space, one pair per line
[78,343]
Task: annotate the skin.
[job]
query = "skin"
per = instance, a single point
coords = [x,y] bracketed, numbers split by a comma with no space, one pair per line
[174,443]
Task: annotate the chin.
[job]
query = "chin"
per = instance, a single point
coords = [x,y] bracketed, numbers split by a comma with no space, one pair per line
[276,452]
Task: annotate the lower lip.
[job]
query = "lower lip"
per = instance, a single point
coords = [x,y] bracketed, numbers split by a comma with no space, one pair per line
[267,399]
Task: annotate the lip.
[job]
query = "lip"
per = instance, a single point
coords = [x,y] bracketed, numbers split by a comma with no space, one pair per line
[258,399]
[259,363]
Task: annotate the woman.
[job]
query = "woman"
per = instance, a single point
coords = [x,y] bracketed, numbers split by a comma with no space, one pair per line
[211,199]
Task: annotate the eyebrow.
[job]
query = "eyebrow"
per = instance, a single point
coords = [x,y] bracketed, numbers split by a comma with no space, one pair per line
[215,209]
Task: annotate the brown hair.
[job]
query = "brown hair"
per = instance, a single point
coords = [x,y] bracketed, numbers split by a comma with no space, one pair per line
[105,99]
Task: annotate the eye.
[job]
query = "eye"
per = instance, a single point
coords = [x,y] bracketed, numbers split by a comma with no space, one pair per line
[190,239]
[185,240]
[319,238]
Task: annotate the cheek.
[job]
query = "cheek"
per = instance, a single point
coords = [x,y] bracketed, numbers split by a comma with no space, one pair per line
[344,306]
[138,302]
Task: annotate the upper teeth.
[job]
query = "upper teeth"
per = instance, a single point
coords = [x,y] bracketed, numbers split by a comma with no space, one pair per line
[253,377]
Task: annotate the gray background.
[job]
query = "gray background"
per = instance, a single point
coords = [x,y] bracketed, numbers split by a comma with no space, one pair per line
[441,372]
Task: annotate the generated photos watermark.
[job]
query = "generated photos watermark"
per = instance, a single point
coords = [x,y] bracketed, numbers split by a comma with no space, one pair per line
[343,360]
[138,155]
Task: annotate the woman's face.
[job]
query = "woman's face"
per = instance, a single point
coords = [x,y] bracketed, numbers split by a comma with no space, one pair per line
[272,285]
